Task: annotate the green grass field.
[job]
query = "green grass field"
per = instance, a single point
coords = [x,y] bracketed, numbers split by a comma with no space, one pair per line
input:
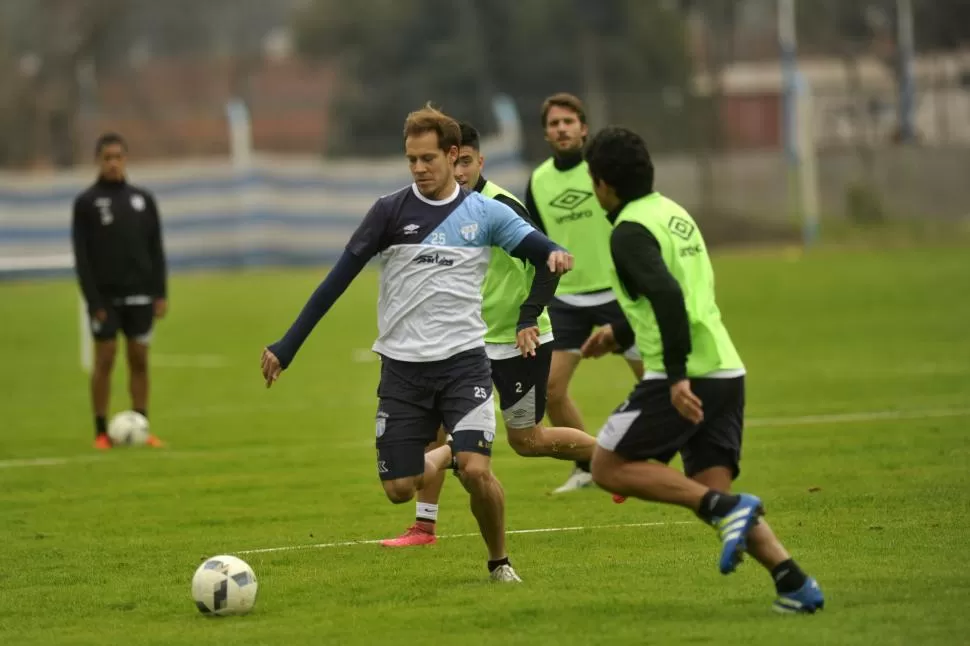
[859,402]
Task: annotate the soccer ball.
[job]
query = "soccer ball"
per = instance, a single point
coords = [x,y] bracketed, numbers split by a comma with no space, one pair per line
[224,585]
[128,427]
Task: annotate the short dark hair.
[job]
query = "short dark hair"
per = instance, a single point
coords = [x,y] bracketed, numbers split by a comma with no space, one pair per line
[109,139]
[469,135]
[563,100]
[619,157]
[430,119]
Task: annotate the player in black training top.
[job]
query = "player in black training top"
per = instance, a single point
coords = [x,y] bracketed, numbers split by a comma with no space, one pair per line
[120,265]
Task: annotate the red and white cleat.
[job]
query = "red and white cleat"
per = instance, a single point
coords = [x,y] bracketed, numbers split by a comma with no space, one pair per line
[102,442]
[417,534]
[154,442]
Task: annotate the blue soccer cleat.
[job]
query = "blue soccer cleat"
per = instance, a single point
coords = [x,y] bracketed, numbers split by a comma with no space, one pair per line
[734,529]
[805,600]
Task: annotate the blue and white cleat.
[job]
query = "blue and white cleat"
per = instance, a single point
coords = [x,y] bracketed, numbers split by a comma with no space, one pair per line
[805,600]
[734,529]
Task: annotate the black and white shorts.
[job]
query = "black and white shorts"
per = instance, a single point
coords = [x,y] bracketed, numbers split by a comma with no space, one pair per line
[648,427]
[415,399]
[573,324]
[521,384]
[133,316]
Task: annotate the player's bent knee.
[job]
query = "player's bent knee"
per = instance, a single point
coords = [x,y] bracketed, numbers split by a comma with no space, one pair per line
[600,476]
[603,468]
[716,477]
[473,450]
[474,470]
[561,371]
[557,392]
[400,491]
[525,441]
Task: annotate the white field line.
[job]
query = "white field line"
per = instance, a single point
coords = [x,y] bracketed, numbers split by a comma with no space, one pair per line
[168,454]
[47,462]
[538,530]
[798,420]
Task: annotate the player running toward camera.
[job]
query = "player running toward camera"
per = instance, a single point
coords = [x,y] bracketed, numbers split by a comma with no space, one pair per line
[518,346]
[120,265]
[434,243]
[559,199]
[691,398]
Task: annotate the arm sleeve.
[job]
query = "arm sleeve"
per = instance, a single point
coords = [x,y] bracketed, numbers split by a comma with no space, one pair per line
[535,247]
[370,238]
[544,283]
[322,299]
[530,206]
[82,257]
[510,232]
[623,333]
[642,271]
[159,268]
[505,228]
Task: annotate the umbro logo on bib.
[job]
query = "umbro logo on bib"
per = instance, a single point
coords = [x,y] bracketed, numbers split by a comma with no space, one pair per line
[570,199]
[680,227]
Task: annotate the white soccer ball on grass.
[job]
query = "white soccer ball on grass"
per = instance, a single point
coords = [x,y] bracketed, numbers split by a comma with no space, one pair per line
[128,428]
[224,585]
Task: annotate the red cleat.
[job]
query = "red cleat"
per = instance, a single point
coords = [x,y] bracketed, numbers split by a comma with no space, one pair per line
[102,442]
[618,499]
[154,442]
[417,534]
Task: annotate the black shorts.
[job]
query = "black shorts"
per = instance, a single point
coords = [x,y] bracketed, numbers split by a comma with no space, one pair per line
[417,398]
[572,325]
[134,321]
[521,384]
[648,427]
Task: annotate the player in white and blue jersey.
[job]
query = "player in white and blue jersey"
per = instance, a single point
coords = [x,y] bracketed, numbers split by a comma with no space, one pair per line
[434,242]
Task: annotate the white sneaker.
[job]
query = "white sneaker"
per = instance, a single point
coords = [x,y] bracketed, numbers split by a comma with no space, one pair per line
[504,574]
[579,479]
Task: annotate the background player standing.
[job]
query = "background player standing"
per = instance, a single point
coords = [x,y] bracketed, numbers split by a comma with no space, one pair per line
[120,265]
[560,200]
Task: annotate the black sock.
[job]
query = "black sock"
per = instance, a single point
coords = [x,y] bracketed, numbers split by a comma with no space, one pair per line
[715,504]
[494,565]
[788,577]
[583,465]
[100,425]
[142,412]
